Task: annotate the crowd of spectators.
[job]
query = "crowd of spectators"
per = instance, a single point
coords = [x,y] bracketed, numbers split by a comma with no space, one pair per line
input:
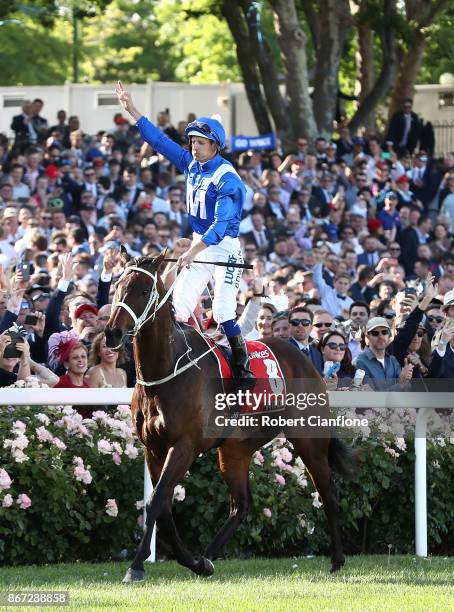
[352,239]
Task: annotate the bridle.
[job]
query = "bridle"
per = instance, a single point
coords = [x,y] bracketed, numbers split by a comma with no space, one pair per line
[153,301]
[154,305]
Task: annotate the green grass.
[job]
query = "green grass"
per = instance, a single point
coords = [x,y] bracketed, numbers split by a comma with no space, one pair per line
[366,583]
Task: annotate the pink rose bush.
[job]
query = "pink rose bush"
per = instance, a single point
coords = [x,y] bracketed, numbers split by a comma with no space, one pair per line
[62,478]
[288,515]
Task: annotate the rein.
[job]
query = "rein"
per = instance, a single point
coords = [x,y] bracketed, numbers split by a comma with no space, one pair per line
[139,322]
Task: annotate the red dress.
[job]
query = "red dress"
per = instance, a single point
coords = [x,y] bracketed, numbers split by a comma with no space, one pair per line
[65,382]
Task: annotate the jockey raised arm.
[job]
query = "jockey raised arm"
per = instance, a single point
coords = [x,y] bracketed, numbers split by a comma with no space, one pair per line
[215,196]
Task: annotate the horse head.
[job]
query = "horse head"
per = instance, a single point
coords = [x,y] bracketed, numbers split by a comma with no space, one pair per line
[137,297]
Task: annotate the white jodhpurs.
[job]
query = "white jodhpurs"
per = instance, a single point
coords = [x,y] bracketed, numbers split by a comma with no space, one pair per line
[192,281]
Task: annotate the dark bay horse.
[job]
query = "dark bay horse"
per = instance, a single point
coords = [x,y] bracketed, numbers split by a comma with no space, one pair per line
[169,416]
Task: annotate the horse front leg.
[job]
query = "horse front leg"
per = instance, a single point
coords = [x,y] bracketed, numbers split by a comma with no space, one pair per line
[178,460]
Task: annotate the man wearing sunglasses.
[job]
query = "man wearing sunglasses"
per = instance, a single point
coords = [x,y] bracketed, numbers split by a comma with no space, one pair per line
[215,196]
[383,371]
[300,320]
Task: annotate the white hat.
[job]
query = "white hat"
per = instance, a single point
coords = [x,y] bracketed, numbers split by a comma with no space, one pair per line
[448,300]
[377,322]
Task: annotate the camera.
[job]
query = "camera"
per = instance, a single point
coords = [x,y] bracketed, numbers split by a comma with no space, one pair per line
[16,335]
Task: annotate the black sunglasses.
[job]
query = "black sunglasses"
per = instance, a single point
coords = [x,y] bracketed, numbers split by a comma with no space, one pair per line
[333,346]
[322,325]
[297,322]
[437,319]
[389,315]
[420,333]
[375,332]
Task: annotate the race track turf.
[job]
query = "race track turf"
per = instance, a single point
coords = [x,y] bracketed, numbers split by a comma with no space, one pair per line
[366,583]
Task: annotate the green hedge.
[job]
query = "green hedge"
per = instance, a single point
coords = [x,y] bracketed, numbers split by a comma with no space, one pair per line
[57,475]
[376,508]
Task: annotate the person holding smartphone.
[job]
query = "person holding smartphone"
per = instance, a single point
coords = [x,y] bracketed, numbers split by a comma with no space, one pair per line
[8,365]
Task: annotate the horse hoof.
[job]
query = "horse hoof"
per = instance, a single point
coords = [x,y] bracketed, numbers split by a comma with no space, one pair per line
[336,565]
[204,567]
[134,576]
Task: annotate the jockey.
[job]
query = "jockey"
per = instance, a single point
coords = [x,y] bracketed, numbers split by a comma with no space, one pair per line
[215,196]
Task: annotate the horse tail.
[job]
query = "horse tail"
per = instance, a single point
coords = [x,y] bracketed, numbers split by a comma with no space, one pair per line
[342,458]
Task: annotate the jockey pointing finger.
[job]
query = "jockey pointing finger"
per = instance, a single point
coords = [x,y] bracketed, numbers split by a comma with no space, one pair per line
[215,196]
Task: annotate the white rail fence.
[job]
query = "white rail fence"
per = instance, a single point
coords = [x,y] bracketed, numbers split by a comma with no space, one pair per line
[338,399]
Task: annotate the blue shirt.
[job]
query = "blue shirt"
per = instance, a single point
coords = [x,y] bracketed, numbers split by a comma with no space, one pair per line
[378,377]
[215,193]
[388,220]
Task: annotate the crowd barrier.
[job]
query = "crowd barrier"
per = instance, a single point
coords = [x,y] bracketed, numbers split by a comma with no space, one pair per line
[338,399]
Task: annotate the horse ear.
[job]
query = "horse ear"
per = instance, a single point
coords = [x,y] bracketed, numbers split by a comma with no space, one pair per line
[124,255]
[157,261]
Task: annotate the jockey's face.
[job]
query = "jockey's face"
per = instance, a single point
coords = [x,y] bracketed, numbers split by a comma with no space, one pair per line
[202,149]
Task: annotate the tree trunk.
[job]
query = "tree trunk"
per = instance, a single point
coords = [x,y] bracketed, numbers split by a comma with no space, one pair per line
[268,71]
[336,18]
[410,65]
[421,16]
[248,64]
[292,42]
[366,75]
[388,68]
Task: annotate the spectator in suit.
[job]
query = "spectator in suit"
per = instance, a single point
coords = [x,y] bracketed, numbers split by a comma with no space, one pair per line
[359,314]
[40,124]
[23,127]
[404,129]
[417,233]
[330,266]
[344,143]
[130,184]
[260,235]
[325,192]
[164,124]
[61,127]
[322,323]
[370,256]
[442,363]
[301,326]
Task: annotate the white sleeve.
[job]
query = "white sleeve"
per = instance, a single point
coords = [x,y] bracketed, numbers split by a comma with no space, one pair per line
[249,317]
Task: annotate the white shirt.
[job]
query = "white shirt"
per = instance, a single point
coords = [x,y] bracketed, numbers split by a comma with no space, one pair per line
[329,298]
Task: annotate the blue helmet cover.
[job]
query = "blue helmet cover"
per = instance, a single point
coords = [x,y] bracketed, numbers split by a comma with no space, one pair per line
[217,134]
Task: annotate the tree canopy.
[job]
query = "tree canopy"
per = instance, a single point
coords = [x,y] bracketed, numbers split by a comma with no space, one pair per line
[319,49]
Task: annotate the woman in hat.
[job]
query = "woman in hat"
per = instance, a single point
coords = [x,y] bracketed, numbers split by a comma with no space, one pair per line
[215,196]
[73,355]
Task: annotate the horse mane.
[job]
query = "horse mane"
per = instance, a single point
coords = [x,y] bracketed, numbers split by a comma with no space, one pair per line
[141,261]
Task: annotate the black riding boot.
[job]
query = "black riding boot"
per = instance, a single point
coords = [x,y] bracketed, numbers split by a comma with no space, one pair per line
[246,379]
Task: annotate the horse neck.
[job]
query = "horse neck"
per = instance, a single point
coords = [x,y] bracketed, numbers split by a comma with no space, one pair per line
[154,347]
